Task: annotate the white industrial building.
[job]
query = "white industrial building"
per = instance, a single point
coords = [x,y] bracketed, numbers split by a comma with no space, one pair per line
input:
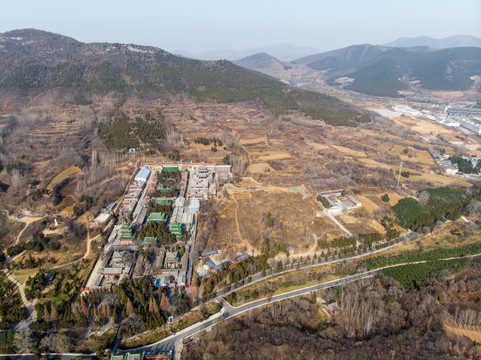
[406,110]
[143,174]
[472,125]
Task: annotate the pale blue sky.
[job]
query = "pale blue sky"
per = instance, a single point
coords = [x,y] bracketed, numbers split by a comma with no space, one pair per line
[198,26]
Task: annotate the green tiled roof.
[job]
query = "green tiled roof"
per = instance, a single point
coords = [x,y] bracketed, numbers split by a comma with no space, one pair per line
[157,217]
[149,240]
[176,228]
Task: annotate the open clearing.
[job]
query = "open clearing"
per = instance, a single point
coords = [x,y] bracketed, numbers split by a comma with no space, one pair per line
[441,179]
[272,155]
[252,141]
[317,146]
[393,198]
[260,168]
[243,220]
[423,157]
[71,171]
[474,335]
[424,126]
[448,94]
[367,204]
[349,151]
[349,219]
[376,226]
[374,163]
[383,148]
[397,150]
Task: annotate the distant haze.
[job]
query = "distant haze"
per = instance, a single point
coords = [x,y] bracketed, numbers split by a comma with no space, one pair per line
[199,27]
[284,52]
[449,42]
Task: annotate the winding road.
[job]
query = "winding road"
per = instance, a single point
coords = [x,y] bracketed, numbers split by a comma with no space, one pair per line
[228,311]
[29,305]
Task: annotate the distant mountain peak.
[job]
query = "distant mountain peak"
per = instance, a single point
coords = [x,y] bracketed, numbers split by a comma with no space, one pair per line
[282,51]
[444,43]
[258,61]
[35,34]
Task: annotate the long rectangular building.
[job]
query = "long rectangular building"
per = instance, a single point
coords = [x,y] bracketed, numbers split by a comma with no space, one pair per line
[464,112]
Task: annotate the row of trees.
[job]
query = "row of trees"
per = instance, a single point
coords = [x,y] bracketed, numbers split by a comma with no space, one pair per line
[436,254]
[207,141]
[411,276]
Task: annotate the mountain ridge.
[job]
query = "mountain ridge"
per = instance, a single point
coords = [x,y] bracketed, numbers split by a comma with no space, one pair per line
[384,71]
[283,52]
[262,62]
[32,61]
[442,43]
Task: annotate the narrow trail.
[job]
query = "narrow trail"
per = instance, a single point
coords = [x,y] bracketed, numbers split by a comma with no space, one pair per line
[235,217]
[325,164]
[17,240]
[29,305]
[244,242]
[89,241]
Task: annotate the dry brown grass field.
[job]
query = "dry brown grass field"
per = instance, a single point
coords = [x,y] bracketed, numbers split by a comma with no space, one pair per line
[278,154]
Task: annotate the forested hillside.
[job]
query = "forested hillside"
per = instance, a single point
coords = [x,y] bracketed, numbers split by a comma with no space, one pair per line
[32,61]
[379,319]
[384,71]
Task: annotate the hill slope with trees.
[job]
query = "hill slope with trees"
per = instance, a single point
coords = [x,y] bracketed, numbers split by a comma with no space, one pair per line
[33,61]
[383,71]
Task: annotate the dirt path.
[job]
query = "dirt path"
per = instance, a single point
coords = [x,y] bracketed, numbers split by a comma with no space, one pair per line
[29,305]
[89,240]
[325,164]
[243,241]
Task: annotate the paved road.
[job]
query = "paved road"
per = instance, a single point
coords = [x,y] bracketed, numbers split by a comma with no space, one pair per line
[292,267]
[24,324]
[29,305]
[229,311]
[335,221]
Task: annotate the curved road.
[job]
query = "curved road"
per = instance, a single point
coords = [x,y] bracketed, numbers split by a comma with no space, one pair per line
[228,311]
[29,305]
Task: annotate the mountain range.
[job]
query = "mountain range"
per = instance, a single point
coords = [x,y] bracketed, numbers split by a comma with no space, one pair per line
[32,61]
[448,42]
[384,70]
[284,52]
[264,63]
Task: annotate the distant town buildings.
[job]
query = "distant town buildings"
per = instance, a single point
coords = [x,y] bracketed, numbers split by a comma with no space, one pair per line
[468,118]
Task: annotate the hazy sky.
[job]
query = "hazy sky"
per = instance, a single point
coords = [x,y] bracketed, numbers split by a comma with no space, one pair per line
[198,26]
